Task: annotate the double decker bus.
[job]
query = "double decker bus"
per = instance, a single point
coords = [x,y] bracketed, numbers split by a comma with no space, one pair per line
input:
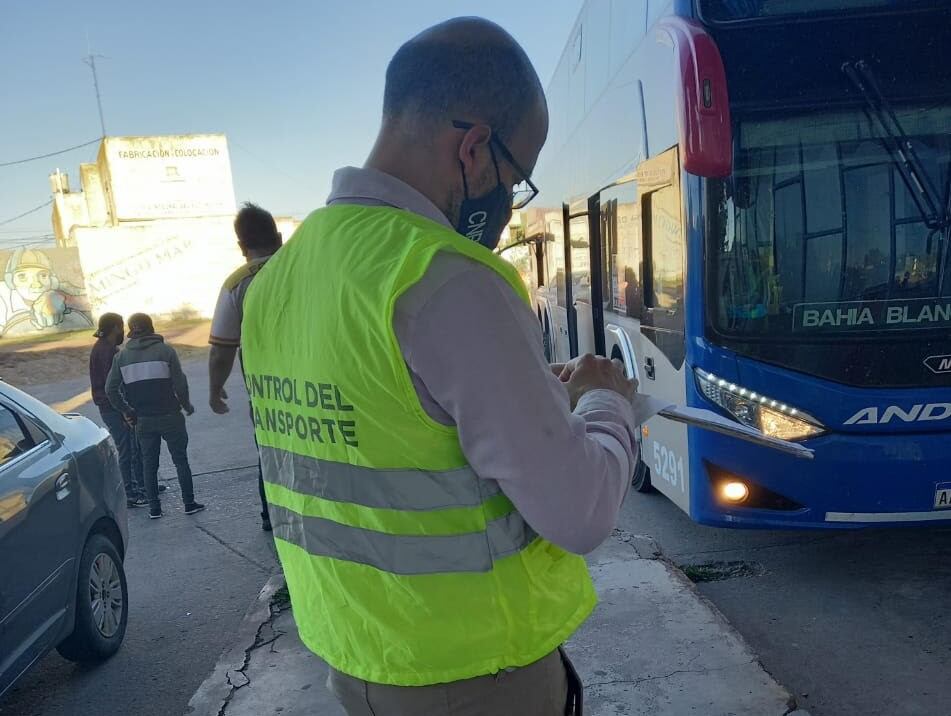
[748,202]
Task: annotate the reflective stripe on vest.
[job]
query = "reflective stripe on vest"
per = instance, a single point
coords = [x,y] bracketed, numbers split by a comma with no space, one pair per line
[415,490]
[404,554]
[373,487]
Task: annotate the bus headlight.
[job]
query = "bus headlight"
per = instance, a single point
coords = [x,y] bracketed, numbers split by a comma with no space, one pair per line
[771,417]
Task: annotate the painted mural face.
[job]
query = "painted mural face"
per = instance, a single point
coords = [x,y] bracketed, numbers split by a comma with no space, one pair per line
[35,296]
[31,282]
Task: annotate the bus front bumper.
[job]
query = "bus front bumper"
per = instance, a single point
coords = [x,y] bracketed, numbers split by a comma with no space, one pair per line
[854,481]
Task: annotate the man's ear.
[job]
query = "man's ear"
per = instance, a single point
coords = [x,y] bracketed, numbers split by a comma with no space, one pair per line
[473,142]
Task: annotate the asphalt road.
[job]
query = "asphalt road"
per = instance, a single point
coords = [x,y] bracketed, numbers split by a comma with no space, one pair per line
[850,622]
[191,579]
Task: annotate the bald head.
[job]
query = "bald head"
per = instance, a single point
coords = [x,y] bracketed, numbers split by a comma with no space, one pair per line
[466,68]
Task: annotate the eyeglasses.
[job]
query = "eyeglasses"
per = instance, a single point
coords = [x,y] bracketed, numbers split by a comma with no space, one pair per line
[524,191]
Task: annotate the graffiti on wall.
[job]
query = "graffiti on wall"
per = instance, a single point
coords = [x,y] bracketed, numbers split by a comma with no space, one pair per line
[42,291]
[170,269]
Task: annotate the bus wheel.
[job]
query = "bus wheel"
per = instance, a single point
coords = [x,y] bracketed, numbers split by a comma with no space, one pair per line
[642,477]
[547,344]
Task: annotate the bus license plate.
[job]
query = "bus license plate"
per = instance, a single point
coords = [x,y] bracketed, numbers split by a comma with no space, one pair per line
[942,496]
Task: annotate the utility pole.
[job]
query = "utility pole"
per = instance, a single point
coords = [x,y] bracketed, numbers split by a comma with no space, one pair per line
[90,60]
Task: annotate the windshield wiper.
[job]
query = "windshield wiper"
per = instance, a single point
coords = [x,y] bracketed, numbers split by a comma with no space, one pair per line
[899,146]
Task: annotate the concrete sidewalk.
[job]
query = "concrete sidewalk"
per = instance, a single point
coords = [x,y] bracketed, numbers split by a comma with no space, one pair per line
[653,646]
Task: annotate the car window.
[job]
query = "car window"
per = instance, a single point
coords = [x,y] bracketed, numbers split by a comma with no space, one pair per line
[13,441]
[35,432]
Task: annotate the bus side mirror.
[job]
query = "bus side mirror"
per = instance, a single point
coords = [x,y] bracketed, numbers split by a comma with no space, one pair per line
[706,136]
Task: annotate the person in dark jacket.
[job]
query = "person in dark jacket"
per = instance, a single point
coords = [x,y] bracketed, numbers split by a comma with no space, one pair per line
[110,336]
[146,384]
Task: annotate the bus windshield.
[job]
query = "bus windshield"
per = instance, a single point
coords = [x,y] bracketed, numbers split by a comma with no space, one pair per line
[716,11]
[817,231]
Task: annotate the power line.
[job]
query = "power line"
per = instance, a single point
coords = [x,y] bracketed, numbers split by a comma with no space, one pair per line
[47,243]
[26,237]
[265,162]
[26,213]
[51,154]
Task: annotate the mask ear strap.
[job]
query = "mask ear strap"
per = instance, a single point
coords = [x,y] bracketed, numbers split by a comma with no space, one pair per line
[465,184]
[495,162]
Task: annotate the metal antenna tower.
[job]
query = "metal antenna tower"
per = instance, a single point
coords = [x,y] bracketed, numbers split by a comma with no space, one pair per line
[90,60]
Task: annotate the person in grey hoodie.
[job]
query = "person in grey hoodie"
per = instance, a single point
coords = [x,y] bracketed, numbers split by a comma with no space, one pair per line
[146,384]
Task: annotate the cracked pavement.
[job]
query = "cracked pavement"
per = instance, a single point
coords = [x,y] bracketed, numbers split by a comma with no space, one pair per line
[280,675]
[267,636]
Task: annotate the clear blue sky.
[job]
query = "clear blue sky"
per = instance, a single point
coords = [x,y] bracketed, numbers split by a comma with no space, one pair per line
[295,84]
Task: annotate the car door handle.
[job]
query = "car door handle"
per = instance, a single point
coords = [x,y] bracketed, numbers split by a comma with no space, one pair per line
[62,486]
[649,368]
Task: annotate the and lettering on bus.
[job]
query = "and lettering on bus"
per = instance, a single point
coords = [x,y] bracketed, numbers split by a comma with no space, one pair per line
[915,414]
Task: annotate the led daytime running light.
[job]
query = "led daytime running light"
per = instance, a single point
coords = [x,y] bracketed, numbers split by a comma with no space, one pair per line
[768,415]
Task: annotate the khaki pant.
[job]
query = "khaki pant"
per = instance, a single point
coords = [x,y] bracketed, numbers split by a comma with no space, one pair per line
[539,689]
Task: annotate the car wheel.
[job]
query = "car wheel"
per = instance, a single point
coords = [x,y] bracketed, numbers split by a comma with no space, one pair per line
[102,604]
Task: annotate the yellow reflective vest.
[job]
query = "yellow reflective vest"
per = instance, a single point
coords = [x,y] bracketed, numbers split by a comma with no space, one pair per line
[404,566]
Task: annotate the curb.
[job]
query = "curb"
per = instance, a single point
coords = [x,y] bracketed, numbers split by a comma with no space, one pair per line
[689,586]
[217,689]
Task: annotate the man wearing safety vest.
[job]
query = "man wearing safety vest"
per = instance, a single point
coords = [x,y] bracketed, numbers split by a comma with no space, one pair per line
[432,481]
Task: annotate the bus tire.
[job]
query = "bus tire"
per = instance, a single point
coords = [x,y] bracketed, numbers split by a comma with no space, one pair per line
[641,481]
[547,344]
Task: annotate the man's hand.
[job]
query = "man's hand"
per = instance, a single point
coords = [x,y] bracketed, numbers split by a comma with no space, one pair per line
[217,401]
[589,372]
[189,409]
[130,419]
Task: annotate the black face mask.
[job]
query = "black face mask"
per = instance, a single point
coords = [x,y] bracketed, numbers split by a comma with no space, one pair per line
[482,218]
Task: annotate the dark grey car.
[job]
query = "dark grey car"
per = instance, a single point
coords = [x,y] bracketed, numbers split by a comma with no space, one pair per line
[63,536]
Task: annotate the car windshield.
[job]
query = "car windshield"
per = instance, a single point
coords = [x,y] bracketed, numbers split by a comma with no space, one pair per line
[817,231]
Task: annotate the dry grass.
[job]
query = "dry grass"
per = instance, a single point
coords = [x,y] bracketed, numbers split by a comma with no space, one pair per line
[49,358]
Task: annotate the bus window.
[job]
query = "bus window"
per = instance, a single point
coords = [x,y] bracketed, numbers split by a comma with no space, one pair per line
[817,216]
[665,284]
[580,260]
[621,226]
[556,261]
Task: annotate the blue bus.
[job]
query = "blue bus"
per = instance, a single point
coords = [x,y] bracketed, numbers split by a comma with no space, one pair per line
[748,202]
